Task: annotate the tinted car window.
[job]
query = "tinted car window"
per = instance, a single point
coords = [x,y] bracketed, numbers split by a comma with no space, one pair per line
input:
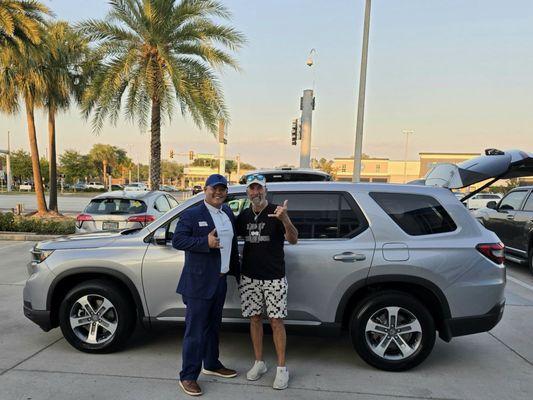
[115,206]
[529,203]
[415,214]
[289,176]
[513,200]
[161,204]
[322,215]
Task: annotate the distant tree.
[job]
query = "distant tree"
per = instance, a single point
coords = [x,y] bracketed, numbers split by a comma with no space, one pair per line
[21,167]
[76,166]
[104,155]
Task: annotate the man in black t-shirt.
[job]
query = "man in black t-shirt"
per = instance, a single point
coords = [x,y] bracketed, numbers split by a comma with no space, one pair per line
[264,228]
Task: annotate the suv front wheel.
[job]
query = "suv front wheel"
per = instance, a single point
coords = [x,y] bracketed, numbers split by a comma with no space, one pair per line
[392,331]
[95,317]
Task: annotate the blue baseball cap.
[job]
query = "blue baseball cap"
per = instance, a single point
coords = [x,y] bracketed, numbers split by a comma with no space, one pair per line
[216,179]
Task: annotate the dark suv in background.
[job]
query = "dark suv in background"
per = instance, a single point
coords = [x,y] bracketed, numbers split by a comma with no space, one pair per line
[512,220]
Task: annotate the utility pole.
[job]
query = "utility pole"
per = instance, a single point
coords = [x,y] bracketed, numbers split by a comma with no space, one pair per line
[361,101]
[406,133]
[8,163]
[238,159]
[307,105]
[222,147]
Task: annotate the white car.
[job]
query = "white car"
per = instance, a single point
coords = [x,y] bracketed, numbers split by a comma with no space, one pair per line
[480,200]
[95,185]
[136,187]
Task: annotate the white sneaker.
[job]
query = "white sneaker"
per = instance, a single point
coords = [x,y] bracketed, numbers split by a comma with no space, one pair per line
[257,371]
[282,378]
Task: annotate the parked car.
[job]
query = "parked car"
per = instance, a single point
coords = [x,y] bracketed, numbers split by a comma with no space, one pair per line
[123,210]
[79,186]
[136,187]
[168,188]
[115,186]
[289,175]
[94,185]
[511,219]
[480,200]
[197,189]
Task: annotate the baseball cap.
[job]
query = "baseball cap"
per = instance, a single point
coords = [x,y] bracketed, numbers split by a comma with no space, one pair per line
[216,179]
[255,178]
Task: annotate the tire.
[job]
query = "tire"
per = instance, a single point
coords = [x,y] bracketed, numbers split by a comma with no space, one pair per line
[371,324]
[114,323]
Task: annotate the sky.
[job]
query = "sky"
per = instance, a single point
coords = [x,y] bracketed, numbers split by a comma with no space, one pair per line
[459,73]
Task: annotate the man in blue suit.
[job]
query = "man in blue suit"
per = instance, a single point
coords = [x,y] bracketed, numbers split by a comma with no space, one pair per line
[207,235]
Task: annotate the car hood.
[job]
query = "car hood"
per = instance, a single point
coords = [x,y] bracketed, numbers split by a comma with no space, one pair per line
[80,241]
[495,164]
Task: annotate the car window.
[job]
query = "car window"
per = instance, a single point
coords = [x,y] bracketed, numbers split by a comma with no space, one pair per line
[416,214]
[322,215]
[173,202]
[115,206]
[161,204]
[513,200]
[529,203]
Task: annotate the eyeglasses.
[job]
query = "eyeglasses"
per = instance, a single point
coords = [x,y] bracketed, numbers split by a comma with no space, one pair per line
[253,177]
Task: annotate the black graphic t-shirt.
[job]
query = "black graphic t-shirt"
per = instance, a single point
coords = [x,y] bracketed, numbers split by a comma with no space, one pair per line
[262,256]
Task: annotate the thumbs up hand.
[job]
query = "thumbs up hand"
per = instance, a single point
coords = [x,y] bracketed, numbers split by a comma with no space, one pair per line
[213,240]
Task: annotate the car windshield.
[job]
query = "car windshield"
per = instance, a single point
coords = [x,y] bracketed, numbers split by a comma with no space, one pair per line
[115,206]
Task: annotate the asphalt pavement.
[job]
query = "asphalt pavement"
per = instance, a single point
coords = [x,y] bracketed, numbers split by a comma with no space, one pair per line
[35,365]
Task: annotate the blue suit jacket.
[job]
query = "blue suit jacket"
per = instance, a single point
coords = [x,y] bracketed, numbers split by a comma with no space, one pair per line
[201,272]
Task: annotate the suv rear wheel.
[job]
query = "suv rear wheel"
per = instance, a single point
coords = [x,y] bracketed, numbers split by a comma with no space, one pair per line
[95,317]
[392,331]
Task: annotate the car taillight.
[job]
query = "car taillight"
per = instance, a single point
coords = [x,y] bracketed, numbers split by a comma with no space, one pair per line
[493,251]
[143,219]
[84,217]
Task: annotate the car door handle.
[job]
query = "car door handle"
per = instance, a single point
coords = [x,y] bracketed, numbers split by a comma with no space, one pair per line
[510,217]
[348,256]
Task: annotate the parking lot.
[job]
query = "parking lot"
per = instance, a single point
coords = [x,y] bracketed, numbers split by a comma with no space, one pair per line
[38,365]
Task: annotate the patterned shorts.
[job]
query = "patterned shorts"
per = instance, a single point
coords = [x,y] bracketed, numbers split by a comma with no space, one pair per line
[256,293]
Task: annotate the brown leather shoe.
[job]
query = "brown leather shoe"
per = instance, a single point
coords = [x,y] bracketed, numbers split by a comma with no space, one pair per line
[191,388]
[222,372]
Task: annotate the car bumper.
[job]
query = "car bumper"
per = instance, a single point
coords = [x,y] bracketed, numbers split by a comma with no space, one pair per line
[475,324]
[40,317]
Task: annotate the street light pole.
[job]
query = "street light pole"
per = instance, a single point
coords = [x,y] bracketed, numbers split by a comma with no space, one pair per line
[406,133]
[361,101]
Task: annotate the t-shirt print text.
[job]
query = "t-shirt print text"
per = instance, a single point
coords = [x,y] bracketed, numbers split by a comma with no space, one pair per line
[254,233]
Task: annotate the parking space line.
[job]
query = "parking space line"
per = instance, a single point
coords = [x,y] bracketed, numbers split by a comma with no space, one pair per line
[519,282]
[20,243]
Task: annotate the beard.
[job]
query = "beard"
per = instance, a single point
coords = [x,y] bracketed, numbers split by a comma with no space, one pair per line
[257,200]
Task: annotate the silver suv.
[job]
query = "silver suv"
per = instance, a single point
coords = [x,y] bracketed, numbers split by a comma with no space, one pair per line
[392,264]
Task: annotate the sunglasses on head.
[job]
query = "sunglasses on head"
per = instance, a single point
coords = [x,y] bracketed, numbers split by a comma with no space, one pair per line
[253,177]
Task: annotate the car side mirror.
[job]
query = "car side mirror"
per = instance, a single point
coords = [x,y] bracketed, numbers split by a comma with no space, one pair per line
[160,235]
[492,204]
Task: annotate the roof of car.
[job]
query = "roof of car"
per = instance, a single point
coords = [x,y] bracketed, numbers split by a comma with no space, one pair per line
[344,186]
[124,194]
[289,171]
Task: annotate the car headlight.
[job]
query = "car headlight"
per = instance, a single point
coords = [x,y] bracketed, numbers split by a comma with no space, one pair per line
[38,255]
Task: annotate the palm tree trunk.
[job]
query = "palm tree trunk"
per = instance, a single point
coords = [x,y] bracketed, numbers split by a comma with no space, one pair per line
[104,167]
[34,151]
[53,163]
[155,146]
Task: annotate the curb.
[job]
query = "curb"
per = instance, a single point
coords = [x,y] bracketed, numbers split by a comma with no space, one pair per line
[26,236]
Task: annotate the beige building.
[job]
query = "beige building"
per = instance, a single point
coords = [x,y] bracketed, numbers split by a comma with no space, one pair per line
[394,171]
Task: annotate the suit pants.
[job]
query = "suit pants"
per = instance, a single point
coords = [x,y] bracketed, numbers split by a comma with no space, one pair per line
[202,326]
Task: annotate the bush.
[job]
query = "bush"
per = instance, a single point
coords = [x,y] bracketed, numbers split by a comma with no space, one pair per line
[52,226]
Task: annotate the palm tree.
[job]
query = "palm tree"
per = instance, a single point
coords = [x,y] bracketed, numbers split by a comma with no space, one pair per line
[21,23]
[158,53]
[65,52]
[108,156]
[21,73]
